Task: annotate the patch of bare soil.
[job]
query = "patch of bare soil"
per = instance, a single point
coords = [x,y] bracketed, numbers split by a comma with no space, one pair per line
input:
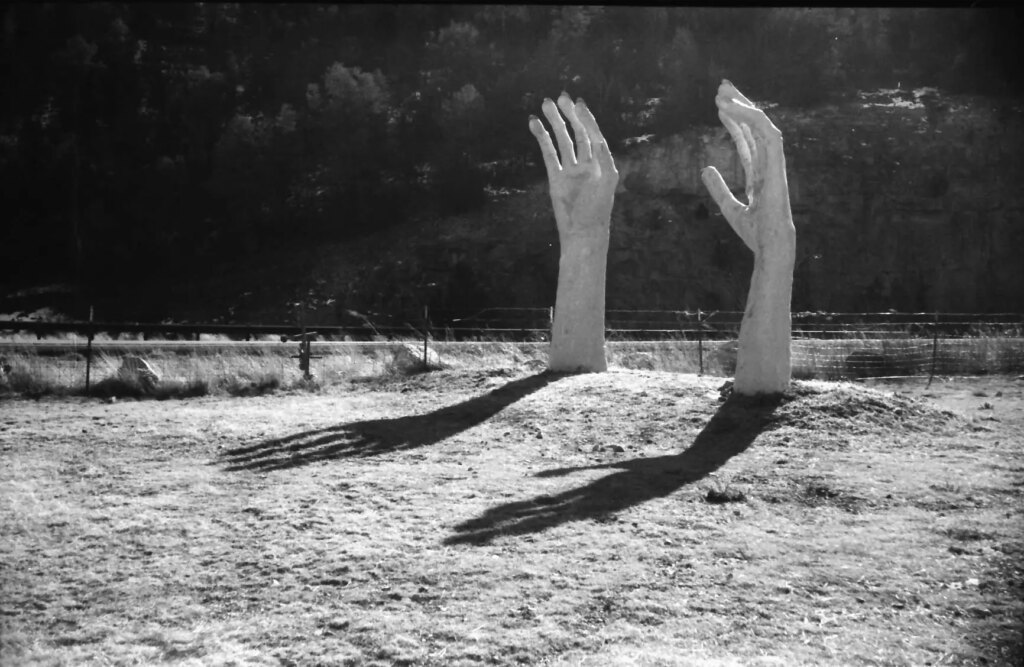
[499,517]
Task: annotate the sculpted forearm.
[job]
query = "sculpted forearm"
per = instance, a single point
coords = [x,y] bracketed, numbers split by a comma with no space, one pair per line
[582,187]
[765,224]
[578,328]
[763,359]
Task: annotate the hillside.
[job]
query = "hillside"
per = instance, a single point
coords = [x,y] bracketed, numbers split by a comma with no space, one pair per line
[903,200]
[908,201]
[222,161]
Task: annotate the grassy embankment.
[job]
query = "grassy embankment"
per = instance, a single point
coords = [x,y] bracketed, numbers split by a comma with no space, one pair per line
[221,367]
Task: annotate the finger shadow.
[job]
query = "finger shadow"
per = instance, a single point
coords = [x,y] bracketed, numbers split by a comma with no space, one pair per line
[730,431]
[379,436]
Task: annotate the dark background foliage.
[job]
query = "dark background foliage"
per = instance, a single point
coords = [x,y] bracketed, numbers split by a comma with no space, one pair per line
[139,139]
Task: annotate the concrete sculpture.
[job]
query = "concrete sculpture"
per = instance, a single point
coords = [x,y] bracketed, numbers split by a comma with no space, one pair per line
[765,224]
[582,186]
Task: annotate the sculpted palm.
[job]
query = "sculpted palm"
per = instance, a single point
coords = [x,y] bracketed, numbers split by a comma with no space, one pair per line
[582,186]
[765,224]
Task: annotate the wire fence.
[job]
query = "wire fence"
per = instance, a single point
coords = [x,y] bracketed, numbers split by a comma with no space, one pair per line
[824,345]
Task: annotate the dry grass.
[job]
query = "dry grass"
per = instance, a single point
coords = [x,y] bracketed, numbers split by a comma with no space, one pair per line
[226,368]
[469,517]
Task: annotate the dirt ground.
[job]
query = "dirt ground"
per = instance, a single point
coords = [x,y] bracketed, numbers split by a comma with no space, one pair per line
[503,517]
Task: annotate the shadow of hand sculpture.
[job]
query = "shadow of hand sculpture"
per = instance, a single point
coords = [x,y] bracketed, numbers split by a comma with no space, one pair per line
[731,430]
[379,436]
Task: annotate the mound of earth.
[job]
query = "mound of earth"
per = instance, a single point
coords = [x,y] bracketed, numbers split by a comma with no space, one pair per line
[510,517]
[651,412]
[830,406]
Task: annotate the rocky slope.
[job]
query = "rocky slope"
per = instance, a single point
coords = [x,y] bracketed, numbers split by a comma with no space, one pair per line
[905,200]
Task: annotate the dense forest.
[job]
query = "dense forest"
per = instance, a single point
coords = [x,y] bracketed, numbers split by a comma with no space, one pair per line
[139,139]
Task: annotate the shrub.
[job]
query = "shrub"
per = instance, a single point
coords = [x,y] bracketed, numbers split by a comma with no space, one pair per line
[235,385]
[127,387]
[180,389]
[118,386]
[20,380]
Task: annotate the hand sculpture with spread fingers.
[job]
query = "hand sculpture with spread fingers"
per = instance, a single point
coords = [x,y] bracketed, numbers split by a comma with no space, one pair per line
[765,224]
[582,185]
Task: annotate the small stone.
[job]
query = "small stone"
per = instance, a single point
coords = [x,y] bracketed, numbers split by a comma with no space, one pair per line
[727,495]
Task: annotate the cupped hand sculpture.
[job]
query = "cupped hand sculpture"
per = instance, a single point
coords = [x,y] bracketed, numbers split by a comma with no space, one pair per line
[582,185]
[765,224]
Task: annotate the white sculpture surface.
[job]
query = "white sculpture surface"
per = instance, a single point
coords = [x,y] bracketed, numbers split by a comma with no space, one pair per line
[765,224]
[582,185]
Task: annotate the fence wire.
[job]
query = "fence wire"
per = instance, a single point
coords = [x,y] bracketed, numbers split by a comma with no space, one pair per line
[827,346]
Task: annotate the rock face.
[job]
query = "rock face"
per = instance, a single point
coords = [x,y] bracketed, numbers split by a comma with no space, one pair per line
[900,201]
[895,206]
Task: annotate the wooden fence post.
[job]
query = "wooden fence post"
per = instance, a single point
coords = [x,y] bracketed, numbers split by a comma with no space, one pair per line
[304,351]
[935,347]
[88,353]
[700,342]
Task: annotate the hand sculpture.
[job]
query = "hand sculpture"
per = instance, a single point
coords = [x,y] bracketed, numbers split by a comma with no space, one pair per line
[765,224]
[582,191]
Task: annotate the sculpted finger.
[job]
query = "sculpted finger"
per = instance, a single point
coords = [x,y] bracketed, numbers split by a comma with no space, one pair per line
[742,147]
[729,91]
[561,132]
[583,147]
[731,208]
[756,171]
[598,144]
[547,149]
[765,139]
[741,112]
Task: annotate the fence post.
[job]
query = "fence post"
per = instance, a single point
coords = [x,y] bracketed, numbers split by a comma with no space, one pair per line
[426,333]
[935,347]
[88,353]
[304,351]
[700,342]
[700,351]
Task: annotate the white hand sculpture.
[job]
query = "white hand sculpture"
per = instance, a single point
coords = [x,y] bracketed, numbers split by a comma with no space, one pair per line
[582,191]
[765,223]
